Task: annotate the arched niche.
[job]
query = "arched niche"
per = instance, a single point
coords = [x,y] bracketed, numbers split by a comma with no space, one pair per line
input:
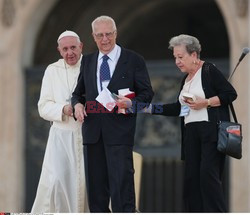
[145,27]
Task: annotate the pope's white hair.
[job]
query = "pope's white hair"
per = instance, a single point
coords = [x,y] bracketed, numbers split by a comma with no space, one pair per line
[68,33]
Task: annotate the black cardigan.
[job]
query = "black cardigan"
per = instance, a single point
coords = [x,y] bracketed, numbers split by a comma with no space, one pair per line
[213,84]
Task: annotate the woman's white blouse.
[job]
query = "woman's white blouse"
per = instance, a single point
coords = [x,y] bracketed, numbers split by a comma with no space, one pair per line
[194,86]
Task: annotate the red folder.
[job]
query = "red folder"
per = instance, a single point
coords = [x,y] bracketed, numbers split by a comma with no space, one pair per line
[129,96]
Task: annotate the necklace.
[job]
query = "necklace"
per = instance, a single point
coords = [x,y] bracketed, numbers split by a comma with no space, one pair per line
[70,89]
[190,78]
[189,86]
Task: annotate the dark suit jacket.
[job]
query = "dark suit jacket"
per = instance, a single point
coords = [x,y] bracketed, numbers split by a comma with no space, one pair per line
[214,84]
[130,72]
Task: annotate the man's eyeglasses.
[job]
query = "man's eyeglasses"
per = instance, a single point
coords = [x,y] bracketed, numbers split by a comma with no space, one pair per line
[109,35]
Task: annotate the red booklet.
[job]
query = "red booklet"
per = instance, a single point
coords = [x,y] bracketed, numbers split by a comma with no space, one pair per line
[130,95]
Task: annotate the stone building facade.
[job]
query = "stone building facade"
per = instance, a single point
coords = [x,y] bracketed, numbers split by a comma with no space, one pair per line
[20,23]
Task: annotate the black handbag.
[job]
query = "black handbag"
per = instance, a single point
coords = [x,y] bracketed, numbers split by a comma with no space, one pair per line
[230,137]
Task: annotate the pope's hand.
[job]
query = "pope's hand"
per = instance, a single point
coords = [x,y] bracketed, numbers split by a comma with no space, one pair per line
[68,110]
[80,112]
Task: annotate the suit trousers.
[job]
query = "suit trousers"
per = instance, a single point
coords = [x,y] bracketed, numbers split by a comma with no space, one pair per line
[109,175]
[204,164]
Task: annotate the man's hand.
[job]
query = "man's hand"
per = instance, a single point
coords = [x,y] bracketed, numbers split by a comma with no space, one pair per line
[124,102]
[80,112]
[68,110]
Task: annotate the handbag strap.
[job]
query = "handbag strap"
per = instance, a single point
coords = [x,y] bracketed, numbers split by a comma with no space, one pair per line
[230,105]
[233,112]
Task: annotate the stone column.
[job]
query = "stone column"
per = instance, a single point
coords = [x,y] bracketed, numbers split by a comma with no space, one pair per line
[240,170]
[19,21]
[12,112]
[236,16]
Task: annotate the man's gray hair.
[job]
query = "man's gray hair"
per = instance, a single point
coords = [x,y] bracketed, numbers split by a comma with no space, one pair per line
[191,43]
[103,19]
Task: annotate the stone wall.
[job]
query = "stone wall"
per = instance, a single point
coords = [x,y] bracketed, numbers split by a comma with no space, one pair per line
[17,19]
[19,24]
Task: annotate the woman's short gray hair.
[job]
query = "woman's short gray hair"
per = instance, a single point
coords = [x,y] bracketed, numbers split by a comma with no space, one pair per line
[103,19]
[191,43]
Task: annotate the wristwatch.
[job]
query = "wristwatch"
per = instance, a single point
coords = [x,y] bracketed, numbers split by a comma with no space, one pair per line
[208,103]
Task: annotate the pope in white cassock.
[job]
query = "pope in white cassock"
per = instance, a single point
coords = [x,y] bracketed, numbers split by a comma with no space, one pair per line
[62,182]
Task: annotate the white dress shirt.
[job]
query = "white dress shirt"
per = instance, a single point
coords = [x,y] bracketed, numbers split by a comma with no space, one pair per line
[114,56]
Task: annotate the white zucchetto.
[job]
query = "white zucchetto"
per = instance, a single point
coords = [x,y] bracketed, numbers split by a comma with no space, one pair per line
[67,34]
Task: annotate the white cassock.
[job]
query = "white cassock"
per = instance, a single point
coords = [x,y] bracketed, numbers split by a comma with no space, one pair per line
[62,182]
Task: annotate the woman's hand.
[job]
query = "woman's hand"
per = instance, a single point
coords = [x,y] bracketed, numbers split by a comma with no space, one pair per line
[198,104]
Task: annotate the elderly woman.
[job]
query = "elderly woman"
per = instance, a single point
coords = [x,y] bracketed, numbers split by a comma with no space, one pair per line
[208,94]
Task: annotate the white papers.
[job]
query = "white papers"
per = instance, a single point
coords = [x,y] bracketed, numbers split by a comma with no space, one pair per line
[124,92]
[106,99]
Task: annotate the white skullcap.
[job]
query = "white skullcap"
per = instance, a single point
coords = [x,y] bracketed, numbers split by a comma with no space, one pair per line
[67,34]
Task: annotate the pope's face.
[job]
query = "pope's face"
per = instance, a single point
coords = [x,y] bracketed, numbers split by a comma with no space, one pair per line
[70,49]
[105,36]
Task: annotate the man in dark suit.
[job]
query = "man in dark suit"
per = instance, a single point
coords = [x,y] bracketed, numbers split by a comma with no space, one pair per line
[108,135]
